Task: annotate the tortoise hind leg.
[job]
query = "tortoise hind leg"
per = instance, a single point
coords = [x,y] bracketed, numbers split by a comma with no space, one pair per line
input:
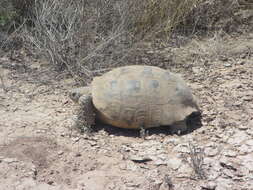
[179,127]
[86,114]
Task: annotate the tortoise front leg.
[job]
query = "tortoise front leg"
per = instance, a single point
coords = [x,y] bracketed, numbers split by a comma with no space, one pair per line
[143,132]
[86,114]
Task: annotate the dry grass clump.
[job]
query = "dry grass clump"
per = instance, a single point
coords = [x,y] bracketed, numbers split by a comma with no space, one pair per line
[88,37]
[196,161]
[161,16]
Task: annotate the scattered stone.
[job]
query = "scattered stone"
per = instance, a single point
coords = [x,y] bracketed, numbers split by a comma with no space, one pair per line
[160,162]
[243,127]
[76,139]
[230,153]
[223,58]
[244,149]
[208,185]
[185,171]
[211,151]
[182,148]
[228,166]
[93,143]
[60,152]
[10,160]
[247,161]
[227,65]
[228,173]
[78,154]
[250,124]
[174,163]
[172,140]
[224,184]
[197,70]
[238,138]
[139,159]
[166,184]
[249,142]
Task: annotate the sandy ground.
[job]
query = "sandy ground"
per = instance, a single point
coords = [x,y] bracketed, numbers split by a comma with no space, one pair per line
[40,150]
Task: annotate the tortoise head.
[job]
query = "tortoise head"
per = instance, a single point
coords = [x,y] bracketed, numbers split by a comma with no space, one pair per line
[76,93]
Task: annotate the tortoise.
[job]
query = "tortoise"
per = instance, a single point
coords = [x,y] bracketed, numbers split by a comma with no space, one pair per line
[137,97]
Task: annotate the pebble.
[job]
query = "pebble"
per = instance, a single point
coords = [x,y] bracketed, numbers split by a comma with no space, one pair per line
[249,142]
[139,159]
[224,184]
[211,151]
[160,162]
[209,185]
[227,65]
[238,138]
[244,149]
[185,171]
[243,127]
[230,153]
[174,163]
[10,160]
[60,152]
[228,173]
[182,148]
[247,161]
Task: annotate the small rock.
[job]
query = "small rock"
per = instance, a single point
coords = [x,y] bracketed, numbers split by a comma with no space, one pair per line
[60,152]
[238,138]
[223,58]
[93,143]
[249,142]
[230,153]
[150,52]
[195,70]
[10,160]
[250,124]
[211,151]
[228,173]
[50,182]
[182,148]
[185,171]
[166,184]
[160,162]
[174,163]
[227,165]
[244,149]
[227,65]
[78,154]
[247,161]
[242,62]
[139,159]
[172,140]
[224,184]
[242,127]
[209,186]
[76,139]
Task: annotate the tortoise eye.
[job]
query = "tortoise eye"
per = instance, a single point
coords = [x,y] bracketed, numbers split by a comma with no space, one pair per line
[73,95]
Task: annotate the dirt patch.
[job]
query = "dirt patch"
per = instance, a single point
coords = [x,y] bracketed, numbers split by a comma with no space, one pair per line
[38,148]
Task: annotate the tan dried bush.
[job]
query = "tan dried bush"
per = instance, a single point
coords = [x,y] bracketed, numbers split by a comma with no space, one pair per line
[87,37]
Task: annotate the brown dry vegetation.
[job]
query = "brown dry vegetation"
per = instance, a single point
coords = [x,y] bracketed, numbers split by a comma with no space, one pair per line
[87,37]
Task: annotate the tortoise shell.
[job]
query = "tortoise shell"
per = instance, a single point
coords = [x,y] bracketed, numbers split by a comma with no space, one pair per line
[141,96]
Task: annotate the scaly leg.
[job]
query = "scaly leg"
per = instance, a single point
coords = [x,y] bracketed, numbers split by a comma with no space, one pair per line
[86,114]
[179,127]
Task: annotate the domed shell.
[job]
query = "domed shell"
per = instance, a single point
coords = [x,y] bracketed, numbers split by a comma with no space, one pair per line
[141,96]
